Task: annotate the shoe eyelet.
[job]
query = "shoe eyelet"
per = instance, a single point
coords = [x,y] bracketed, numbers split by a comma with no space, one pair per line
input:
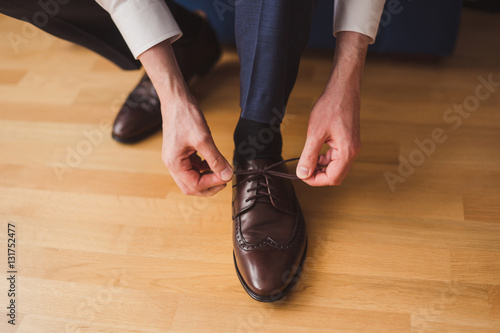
[246,200]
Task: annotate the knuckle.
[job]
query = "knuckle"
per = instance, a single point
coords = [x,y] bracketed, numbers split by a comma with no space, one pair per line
[316,136]
[309,158]
[336,182]
[164,158]
[201,139]
[168,161]
[188,190]
[355,149]
[349,152]
[216,163]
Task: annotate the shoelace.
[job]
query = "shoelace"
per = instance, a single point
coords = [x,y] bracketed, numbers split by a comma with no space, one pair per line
[257,174]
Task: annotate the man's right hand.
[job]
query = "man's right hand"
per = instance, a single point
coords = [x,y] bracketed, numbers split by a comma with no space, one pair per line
[185,130]
[185,134]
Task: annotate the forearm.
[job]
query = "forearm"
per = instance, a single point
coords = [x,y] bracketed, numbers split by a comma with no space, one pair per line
[348,61]
[161,66]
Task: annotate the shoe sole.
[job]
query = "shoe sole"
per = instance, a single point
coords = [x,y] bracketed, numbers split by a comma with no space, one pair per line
[278,296]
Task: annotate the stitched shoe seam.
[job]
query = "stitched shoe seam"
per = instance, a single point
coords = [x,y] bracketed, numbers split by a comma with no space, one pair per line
[267,240]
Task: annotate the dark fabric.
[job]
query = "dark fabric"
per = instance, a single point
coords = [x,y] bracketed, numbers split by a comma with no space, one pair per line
[270,37]
[189,23]
[254,140]
[407,27]
[82,22]
[85,23]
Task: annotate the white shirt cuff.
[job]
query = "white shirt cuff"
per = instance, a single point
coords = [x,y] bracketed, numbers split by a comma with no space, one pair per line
[361,16]
[142,23]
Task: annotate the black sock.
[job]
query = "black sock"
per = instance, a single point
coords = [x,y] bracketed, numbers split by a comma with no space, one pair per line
[254,140]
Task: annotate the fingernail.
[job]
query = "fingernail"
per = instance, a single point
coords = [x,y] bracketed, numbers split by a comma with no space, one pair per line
[227,174]
[303,172]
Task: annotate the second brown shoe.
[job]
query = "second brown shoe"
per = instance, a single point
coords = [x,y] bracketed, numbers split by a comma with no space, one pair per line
[269,232]
[140,116]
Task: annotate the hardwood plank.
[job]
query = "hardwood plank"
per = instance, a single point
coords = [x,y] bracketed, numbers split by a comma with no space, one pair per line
[269,318]
[476,266]
[116,247]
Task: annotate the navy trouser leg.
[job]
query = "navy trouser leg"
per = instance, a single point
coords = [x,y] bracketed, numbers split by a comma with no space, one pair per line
[270,37]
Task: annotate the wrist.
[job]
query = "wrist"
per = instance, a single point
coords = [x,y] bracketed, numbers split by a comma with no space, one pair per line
[161,66]
[349,60]
[342,85]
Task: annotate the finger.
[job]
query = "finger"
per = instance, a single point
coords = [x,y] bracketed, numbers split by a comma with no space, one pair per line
[325,159]
[189,179]
[209,180]
[212,190]
[217,163]
[184,189]
[334,174]
[197,182]
[309,157]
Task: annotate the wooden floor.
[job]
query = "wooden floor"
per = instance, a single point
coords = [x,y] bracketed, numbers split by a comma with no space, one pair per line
[107,243]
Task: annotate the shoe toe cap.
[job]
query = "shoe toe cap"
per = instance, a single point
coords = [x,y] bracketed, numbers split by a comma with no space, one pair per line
[267,274]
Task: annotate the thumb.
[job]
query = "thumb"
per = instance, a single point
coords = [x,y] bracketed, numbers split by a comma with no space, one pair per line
[217,163]
[309,158]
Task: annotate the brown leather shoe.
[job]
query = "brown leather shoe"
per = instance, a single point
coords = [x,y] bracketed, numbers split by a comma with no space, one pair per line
[140,116]
[269,232]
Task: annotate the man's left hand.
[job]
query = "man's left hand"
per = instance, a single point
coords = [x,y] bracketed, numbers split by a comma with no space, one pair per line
[334,118]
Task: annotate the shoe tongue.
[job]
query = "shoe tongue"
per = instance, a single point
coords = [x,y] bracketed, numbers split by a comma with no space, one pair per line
[258,163]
